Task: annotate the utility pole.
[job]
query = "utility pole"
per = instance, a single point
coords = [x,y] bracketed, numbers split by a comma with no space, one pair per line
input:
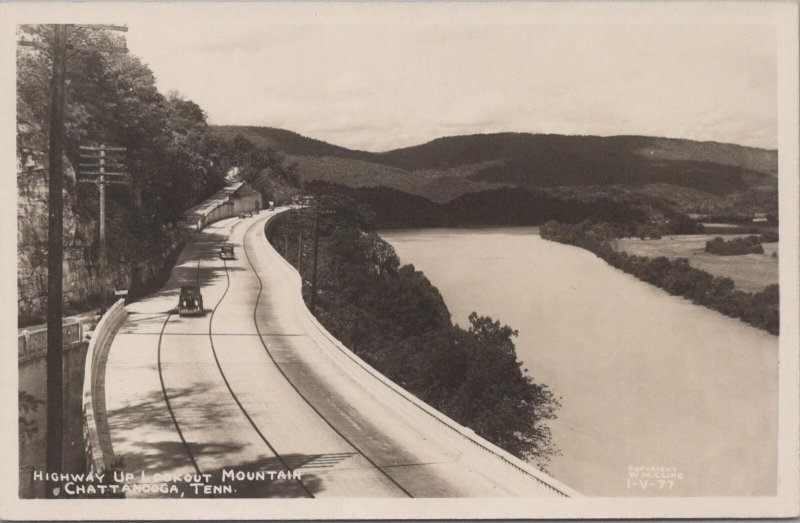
[314,272]
[300,245]
[101,159]
[286,236]
[55,256]
[316,214]
[355,335]
[55,223]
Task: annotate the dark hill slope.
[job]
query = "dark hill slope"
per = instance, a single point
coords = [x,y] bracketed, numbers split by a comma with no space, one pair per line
[446,168]
[550,160]
[289,142]
[454,150]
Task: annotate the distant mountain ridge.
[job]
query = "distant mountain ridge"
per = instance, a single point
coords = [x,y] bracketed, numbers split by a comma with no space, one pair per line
[446,168]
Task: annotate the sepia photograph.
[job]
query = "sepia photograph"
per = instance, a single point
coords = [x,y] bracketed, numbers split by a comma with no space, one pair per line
[401,260]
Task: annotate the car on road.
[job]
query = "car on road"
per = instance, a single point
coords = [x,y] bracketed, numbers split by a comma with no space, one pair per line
[190,302]
[242,216]
[226,252]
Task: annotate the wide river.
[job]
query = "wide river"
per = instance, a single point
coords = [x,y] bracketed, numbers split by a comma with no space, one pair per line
[645,378]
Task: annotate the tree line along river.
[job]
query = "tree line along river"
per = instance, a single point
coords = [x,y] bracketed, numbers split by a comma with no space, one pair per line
[651,385]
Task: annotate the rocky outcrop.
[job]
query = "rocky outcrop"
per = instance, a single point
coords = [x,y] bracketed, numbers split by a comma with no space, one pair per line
[81,284]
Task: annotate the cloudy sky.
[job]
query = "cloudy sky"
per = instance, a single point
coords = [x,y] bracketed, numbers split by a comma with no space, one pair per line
[382,86]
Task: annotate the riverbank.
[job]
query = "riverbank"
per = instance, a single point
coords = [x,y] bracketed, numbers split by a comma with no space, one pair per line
[676,276]
[749,272]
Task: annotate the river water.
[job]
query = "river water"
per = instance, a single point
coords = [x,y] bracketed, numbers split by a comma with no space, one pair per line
[645,379]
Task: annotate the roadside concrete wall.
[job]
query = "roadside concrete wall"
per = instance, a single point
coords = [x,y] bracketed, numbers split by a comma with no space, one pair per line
[99,454]
[32,344]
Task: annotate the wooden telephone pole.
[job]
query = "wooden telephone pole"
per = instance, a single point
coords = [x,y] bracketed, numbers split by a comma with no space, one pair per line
[55,255]
[96,171]
[55,206]
[315,256]
[286,235]
[300,243]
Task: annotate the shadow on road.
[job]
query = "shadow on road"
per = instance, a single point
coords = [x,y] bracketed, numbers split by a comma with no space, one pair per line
[133,426]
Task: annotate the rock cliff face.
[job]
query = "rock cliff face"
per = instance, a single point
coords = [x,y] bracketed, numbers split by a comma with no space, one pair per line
[81,284]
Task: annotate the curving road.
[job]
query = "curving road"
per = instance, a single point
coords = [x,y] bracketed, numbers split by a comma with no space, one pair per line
[253,386]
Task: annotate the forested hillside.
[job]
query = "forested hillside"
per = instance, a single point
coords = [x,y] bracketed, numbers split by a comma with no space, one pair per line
[704,177]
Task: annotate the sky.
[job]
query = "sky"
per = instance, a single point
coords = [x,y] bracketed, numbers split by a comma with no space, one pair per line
[382,86]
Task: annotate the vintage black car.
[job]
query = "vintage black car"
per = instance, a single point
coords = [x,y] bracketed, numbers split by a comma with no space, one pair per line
[242,216]
[191,301]
[226,252]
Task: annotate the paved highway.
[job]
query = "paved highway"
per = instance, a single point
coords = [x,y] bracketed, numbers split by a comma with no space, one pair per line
[252,386]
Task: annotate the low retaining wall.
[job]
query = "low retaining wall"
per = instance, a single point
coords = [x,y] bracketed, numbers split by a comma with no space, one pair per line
[369,376]
[33,344]
[99,454]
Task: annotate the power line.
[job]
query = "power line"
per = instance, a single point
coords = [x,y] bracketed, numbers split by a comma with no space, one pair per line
[103,156]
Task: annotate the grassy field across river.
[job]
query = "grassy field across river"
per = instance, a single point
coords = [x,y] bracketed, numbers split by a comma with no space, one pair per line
[750,272]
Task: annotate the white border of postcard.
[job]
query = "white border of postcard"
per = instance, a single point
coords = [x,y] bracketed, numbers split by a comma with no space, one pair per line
[783,15]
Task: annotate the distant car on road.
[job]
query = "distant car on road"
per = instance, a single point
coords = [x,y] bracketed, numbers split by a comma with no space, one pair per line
[191,301]
[242,216]
[226,252]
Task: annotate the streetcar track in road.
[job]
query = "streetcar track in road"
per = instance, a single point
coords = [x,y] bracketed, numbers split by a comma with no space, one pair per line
[272,449]
[169,405]
[289,381]
[185,444]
